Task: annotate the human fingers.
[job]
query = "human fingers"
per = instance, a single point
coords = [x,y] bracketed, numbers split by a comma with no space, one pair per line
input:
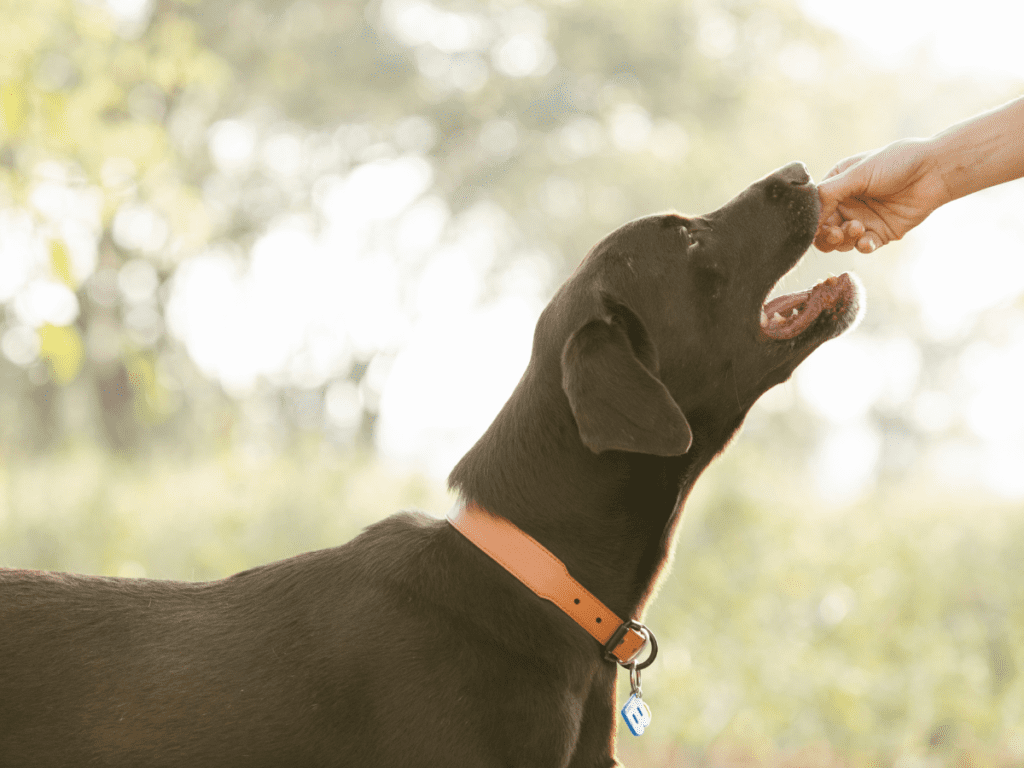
[834,221]
[848,182]
[852,230]
[827,238]
[844,238]
[868,243]
[843,164]
[835,240]
[832,232]
[829,215]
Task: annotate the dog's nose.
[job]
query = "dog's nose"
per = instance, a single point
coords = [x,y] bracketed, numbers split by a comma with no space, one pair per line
[795,173]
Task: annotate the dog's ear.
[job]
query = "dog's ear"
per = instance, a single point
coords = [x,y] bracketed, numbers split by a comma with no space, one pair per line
[618,403]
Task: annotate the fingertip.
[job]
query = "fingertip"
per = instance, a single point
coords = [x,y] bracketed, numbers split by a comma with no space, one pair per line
[867,244]
[841,183]
[832,238]
[853,229]
[828,211]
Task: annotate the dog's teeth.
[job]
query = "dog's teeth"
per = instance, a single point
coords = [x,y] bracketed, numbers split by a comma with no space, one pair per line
[777,318]
[794,313]
[764,319]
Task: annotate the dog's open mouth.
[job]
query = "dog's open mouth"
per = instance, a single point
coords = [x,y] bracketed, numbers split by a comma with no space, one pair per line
[834,300]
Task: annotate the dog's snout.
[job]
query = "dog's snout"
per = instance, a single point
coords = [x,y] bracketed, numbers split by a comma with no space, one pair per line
[794,173]
[789,182]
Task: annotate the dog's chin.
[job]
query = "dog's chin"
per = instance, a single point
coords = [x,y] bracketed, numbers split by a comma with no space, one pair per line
[813,316]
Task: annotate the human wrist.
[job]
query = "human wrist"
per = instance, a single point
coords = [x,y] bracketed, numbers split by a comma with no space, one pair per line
[949,162]
[980,152]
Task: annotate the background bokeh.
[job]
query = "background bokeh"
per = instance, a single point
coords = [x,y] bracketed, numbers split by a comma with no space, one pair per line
[267,269]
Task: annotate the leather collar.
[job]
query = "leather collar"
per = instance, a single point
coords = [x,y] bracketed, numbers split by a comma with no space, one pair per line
[532,564]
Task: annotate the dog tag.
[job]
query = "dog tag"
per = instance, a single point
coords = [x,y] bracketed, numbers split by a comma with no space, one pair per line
[636,714]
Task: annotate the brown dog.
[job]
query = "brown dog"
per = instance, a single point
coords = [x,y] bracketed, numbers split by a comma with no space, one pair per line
[409,646]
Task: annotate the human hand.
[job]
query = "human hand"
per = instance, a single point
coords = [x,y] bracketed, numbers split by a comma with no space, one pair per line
[873,198]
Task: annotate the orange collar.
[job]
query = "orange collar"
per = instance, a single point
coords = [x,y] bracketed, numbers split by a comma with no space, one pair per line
[526,559]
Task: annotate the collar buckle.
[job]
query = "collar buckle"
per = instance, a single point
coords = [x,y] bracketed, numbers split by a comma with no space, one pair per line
[627,655]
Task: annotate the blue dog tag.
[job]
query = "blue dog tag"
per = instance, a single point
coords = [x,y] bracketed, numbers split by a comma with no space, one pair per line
[636,714]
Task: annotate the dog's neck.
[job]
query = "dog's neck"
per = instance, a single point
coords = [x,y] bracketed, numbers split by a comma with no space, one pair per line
[609,517]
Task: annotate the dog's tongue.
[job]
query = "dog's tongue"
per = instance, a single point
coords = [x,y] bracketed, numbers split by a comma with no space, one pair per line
[788,316]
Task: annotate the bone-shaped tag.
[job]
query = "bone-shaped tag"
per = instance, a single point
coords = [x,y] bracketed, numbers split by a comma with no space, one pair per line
[636,714]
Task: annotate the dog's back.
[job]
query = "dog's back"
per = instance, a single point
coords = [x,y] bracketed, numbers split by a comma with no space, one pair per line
[87,663]
[289,663]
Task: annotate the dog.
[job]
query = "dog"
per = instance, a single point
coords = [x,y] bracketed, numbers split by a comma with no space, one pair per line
[411,646]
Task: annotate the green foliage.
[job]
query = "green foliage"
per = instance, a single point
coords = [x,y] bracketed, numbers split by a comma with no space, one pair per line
[74,90]
[83,510]
[892,628]
[61,347]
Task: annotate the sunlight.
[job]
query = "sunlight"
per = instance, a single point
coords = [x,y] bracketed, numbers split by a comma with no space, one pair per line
[388,269]
[957,272]
[984,40]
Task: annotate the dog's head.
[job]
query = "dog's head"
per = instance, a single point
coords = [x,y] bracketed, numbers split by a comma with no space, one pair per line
[663,335]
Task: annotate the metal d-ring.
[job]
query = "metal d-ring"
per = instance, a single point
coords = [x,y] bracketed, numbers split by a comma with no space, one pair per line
[634,680]
[632,662]
[650,657]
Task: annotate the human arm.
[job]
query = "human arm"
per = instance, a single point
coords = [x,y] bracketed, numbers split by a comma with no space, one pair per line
[871,199]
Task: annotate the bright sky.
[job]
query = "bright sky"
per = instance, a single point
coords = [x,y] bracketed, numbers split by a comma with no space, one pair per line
[303,304]
[980,38]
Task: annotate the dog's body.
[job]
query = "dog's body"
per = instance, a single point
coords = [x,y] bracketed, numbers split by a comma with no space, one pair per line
[408,646]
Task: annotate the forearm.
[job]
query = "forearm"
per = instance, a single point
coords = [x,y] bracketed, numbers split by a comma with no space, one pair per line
[983,151]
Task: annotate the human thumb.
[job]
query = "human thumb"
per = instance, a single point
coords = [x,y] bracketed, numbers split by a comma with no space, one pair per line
[846,180]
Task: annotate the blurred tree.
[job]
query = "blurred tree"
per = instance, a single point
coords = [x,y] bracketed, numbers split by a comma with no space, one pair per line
[195,125]
[96,213]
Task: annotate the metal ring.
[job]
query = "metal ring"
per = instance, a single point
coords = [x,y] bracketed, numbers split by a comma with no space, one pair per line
[654,650]
[617,637]
[634,680]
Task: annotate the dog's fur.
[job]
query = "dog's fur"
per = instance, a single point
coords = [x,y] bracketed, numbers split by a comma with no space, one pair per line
[407,646]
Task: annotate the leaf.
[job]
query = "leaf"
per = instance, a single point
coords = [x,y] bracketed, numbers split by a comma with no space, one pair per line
[55,114]
[13,106]
[60,263]
[62,347]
